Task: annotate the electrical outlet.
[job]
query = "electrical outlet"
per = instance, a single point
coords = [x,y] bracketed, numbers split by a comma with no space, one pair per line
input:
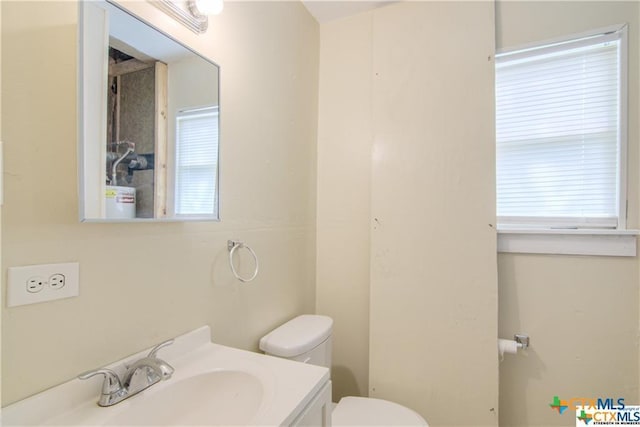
[32,284]
[35,284]
[57,281]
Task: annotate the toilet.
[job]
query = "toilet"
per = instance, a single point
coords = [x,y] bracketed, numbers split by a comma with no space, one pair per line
[307,339]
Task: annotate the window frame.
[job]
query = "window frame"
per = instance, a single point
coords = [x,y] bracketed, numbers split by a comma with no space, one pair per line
[555,236]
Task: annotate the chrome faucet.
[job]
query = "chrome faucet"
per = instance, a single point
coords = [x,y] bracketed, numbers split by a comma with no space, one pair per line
[142,374]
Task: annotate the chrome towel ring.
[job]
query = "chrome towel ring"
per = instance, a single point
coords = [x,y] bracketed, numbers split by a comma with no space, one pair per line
[232,246]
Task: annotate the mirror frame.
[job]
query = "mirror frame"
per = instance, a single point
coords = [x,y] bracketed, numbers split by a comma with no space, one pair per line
[92,121]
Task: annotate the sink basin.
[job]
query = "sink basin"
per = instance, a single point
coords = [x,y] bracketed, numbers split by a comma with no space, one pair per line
[212,398]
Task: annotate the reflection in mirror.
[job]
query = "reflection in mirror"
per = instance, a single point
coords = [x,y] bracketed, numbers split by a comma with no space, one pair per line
[149,122]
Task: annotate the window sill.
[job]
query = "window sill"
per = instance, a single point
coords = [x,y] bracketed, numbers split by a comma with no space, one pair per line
[568,242]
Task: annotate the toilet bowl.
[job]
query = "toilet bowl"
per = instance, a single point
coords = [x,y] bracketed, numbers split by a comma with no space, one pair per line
[307,339]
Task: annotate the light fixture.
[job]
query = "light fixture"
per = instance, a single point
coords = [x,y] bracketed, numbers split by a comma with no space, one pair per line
[206,7]
[190,13]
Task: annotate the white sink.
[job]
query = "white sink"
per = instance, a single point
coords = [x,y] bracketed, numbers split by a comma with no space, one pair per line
[212,398]
[212,385]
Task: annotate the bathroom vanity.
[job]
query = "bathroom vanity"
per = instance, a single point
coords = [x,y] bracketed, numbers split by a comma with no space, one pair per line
[211,385]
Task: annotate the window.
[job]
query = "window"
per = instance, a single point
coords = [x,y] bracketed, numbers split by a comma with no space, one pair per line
[196,175]
[560,134]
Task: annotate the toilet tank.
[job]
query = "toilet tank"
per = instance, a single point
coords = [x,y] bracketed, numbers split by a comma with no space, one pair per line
[306,338]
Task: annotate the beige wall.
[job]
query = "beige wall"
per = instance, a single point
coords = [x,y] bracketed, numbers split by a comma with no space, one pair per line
[2,192]
[389,129]
[433,315]
[581,312]
[344,170]
[142,283]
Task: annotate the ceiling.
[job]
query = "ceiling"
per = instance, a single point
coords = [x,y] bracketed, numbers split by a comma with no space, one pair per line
[329,10]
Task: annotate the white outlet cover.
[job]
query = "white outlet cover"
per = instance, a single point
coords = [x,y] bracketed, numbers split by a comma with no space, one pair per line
[17,293]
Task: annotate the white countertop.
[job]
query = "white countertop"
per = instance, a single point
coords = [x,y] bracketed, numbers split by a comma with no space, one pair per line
[287,387]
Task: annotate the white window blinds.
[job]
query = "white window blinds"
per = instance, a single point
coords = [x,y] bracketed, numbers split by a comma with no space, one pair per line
[196,162]
[558,134]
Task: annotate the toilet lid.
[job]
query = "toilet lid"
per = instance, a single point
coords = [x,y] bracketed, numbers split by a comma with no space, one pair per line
[366,411]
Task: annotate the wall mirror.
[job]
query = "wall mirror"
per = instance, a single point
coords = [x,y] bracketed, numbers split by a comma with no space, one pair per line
[148,122]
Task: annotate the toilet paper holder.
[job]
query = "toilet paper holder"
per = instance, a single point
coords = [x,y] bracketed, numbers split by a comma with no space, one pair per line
[522,339]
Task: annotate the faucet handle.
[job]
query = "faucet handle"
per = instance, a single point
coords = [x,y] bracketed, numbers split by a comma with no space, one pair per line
[163,367]
[111,382]
[155,349]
